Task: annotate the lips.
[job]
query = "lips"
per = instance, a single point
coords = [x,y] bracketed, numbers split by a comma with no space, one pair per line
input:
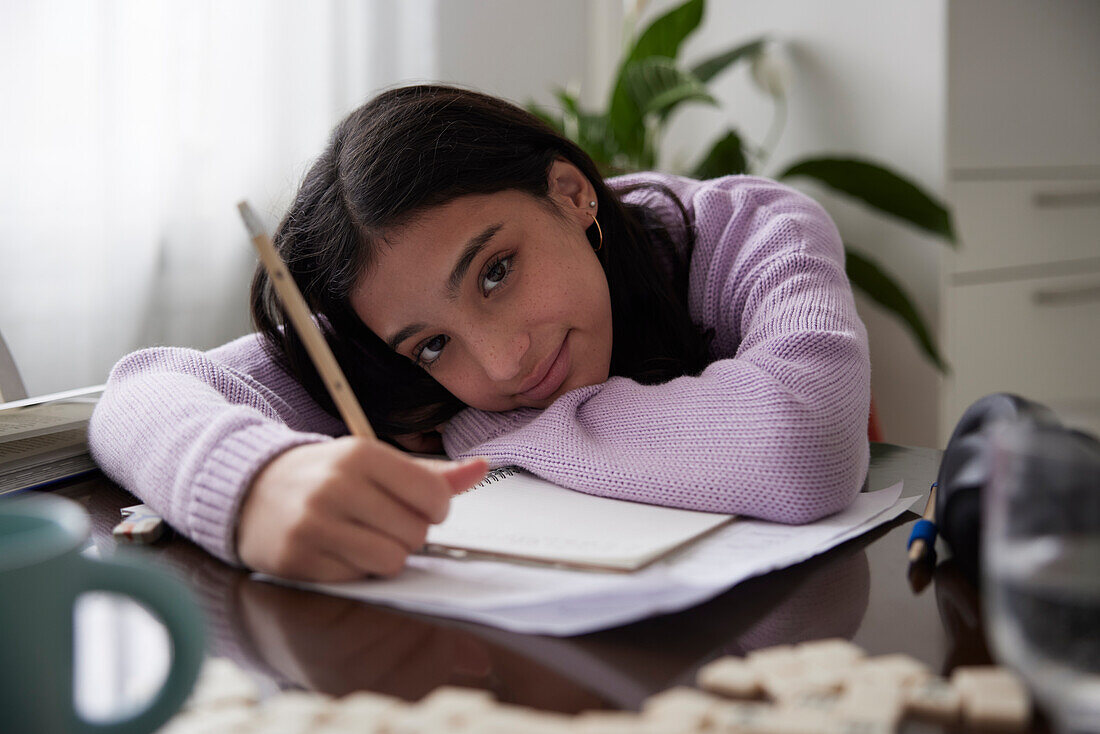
[549,376]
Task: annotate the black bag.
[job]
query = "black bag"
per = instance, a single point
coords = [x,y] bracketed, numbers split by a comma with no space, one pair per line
[965,469]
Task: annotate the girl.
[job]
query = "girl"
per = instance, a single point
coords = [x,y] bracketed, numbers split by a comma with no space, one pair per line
[487,293]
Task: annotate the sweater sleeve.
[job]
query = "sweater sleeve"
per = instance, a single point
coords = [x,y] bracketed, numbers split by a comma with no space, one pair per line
[774,428]
[186,431]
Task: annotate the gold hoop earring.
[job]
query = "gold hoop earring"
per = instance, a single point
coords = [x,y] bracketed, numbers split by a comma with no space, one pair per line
[599,230]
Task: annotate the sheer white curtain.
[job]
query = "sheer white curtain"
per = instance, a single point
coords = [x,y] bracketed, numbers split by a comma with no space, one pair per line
[131,129]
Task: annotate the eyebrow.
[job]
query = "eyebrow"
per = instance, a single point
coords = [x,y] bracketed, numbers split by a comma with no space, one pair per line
[473,248]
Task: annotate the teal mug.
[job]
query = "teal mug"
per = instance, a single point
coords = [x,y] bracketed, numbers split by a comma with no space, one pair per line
[41,575]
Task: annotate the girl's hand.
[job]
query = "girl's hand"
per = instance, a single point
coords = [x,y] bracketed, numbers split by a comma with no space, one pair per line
[342,509]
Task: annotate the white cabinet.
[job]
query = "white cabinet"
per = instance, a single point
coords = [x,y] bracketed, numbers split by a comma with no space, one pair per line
[1022,83]
[1021,228]
[1021,305]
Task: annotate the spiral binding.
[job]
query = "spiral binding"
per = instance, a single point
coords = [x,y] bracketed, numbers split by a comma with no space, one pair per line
[499,473]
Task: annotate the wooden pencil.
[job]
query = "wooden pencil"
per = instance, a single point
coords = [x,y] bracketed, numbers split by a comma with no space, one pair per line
[302,320]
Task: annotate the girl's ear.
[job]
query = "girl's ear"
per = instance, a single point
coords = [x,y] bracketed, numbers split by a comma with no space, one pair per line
[572,191]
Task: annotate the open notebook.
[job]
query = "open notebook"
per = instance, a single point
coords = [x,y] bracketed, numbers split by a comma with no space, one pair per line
[514,515]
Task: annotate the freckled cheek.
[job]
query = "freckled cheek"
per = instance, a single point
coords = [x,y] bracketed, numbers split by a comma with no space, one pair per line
[588,301]
[542,301]
[467,381]
[568,296]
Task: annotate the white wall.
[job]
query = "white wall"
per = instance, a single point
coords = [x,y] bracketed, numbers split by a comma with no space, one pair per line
[869,80]
[160,119]
[517,50]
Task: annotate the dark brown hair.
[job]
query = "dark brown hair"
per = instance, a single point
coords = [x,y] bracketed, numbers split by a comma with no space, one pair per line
[413,148]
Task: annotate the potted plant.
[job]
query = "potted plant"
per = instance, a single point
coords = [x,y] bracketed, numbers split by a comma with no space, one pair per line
[651,83]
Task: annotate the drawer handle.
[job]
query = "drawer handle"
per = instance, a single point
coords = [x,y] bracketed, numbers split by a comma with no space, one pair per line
[1062,199]
[1067,296]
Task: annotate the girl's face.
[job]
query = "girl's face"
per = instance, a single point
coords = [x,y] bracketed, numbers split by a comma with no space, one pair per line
[502,300]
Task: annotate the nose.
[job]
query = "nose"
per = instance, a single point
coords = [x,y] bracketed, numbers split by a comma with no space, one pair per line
[500,351]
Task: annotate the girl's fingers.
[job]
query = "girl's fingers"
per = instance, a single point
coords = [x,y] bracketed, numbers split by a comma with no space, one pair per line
[376,509]
[323,567]
[407,479]
[462,475]
[364,549]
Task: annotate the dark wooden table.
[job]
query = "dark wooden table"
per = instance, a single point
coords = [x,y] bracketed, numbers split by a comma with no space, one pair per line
[860,590]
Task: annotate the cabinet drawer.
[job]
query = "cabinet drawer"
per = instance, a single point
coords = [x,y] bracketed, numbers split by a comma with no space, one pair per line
[1017,224]
[1039,338]
[1023,83]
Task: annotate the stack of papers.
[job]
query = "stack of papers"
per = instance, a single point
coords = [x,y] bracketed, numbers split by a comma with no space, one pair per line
[556,601]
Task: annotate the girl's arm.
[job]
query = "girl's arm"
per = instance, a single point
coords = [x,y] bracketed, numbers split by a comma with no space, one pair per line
[233,453]
[186,431]
[775,428]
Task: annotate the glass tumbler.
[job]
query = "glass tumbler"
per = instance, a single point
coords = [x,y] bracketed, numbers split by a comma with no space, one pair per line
[1041,567]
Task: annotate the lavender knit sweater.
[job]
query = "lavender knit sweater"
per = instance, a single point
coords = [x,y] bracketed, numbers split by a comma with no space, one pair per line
[774,428]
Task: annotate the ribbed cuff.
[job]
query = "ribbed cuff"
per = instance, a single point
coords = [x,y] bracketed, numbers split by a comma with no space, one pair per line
[224,477]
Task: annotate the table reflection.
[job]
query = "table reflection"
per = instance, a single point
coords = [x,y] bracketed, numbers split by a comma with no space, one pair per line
[336,645]
[291,638]
[961,613]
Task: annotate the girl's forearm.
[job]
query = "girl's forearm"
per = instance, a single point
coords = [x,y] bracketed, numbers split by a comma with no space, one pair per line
[735,439]
[186,434]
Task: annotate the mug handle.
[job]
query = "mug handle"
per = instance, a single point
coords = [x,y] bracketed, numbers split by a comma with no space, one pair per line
[171,602]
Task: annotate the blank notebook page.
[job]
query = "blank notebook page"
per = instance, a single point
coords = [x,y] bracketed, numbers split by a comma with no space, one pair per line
[516,515]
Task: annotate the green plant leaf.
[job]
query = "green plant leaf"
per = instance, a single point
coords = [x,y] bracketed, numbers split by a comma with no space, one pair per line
[593,137]
[625,121]
[726,156]
[662,37]
[880,188]
[568,101]
[709,68]
[587,130]
[657,86]
[570,113]
[880,287]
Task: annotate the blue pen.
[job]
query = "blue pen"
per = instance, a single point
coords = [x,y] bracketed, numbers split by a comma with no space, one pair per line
[922,540]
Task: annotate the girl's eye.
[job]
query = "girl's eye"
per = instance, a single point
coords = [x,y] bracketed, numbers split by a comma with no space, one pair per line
[430,351]
[496,274]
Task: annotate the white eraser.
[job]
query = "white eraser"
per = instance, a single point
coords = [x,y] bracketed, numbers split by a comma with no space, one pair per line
[681,704]
[934,698]
[729,676]
[992,697]
[899,670]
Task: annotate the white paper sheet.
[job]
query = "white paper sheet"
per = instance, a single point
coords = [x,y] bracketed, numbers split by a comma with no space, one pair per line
[563,602]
